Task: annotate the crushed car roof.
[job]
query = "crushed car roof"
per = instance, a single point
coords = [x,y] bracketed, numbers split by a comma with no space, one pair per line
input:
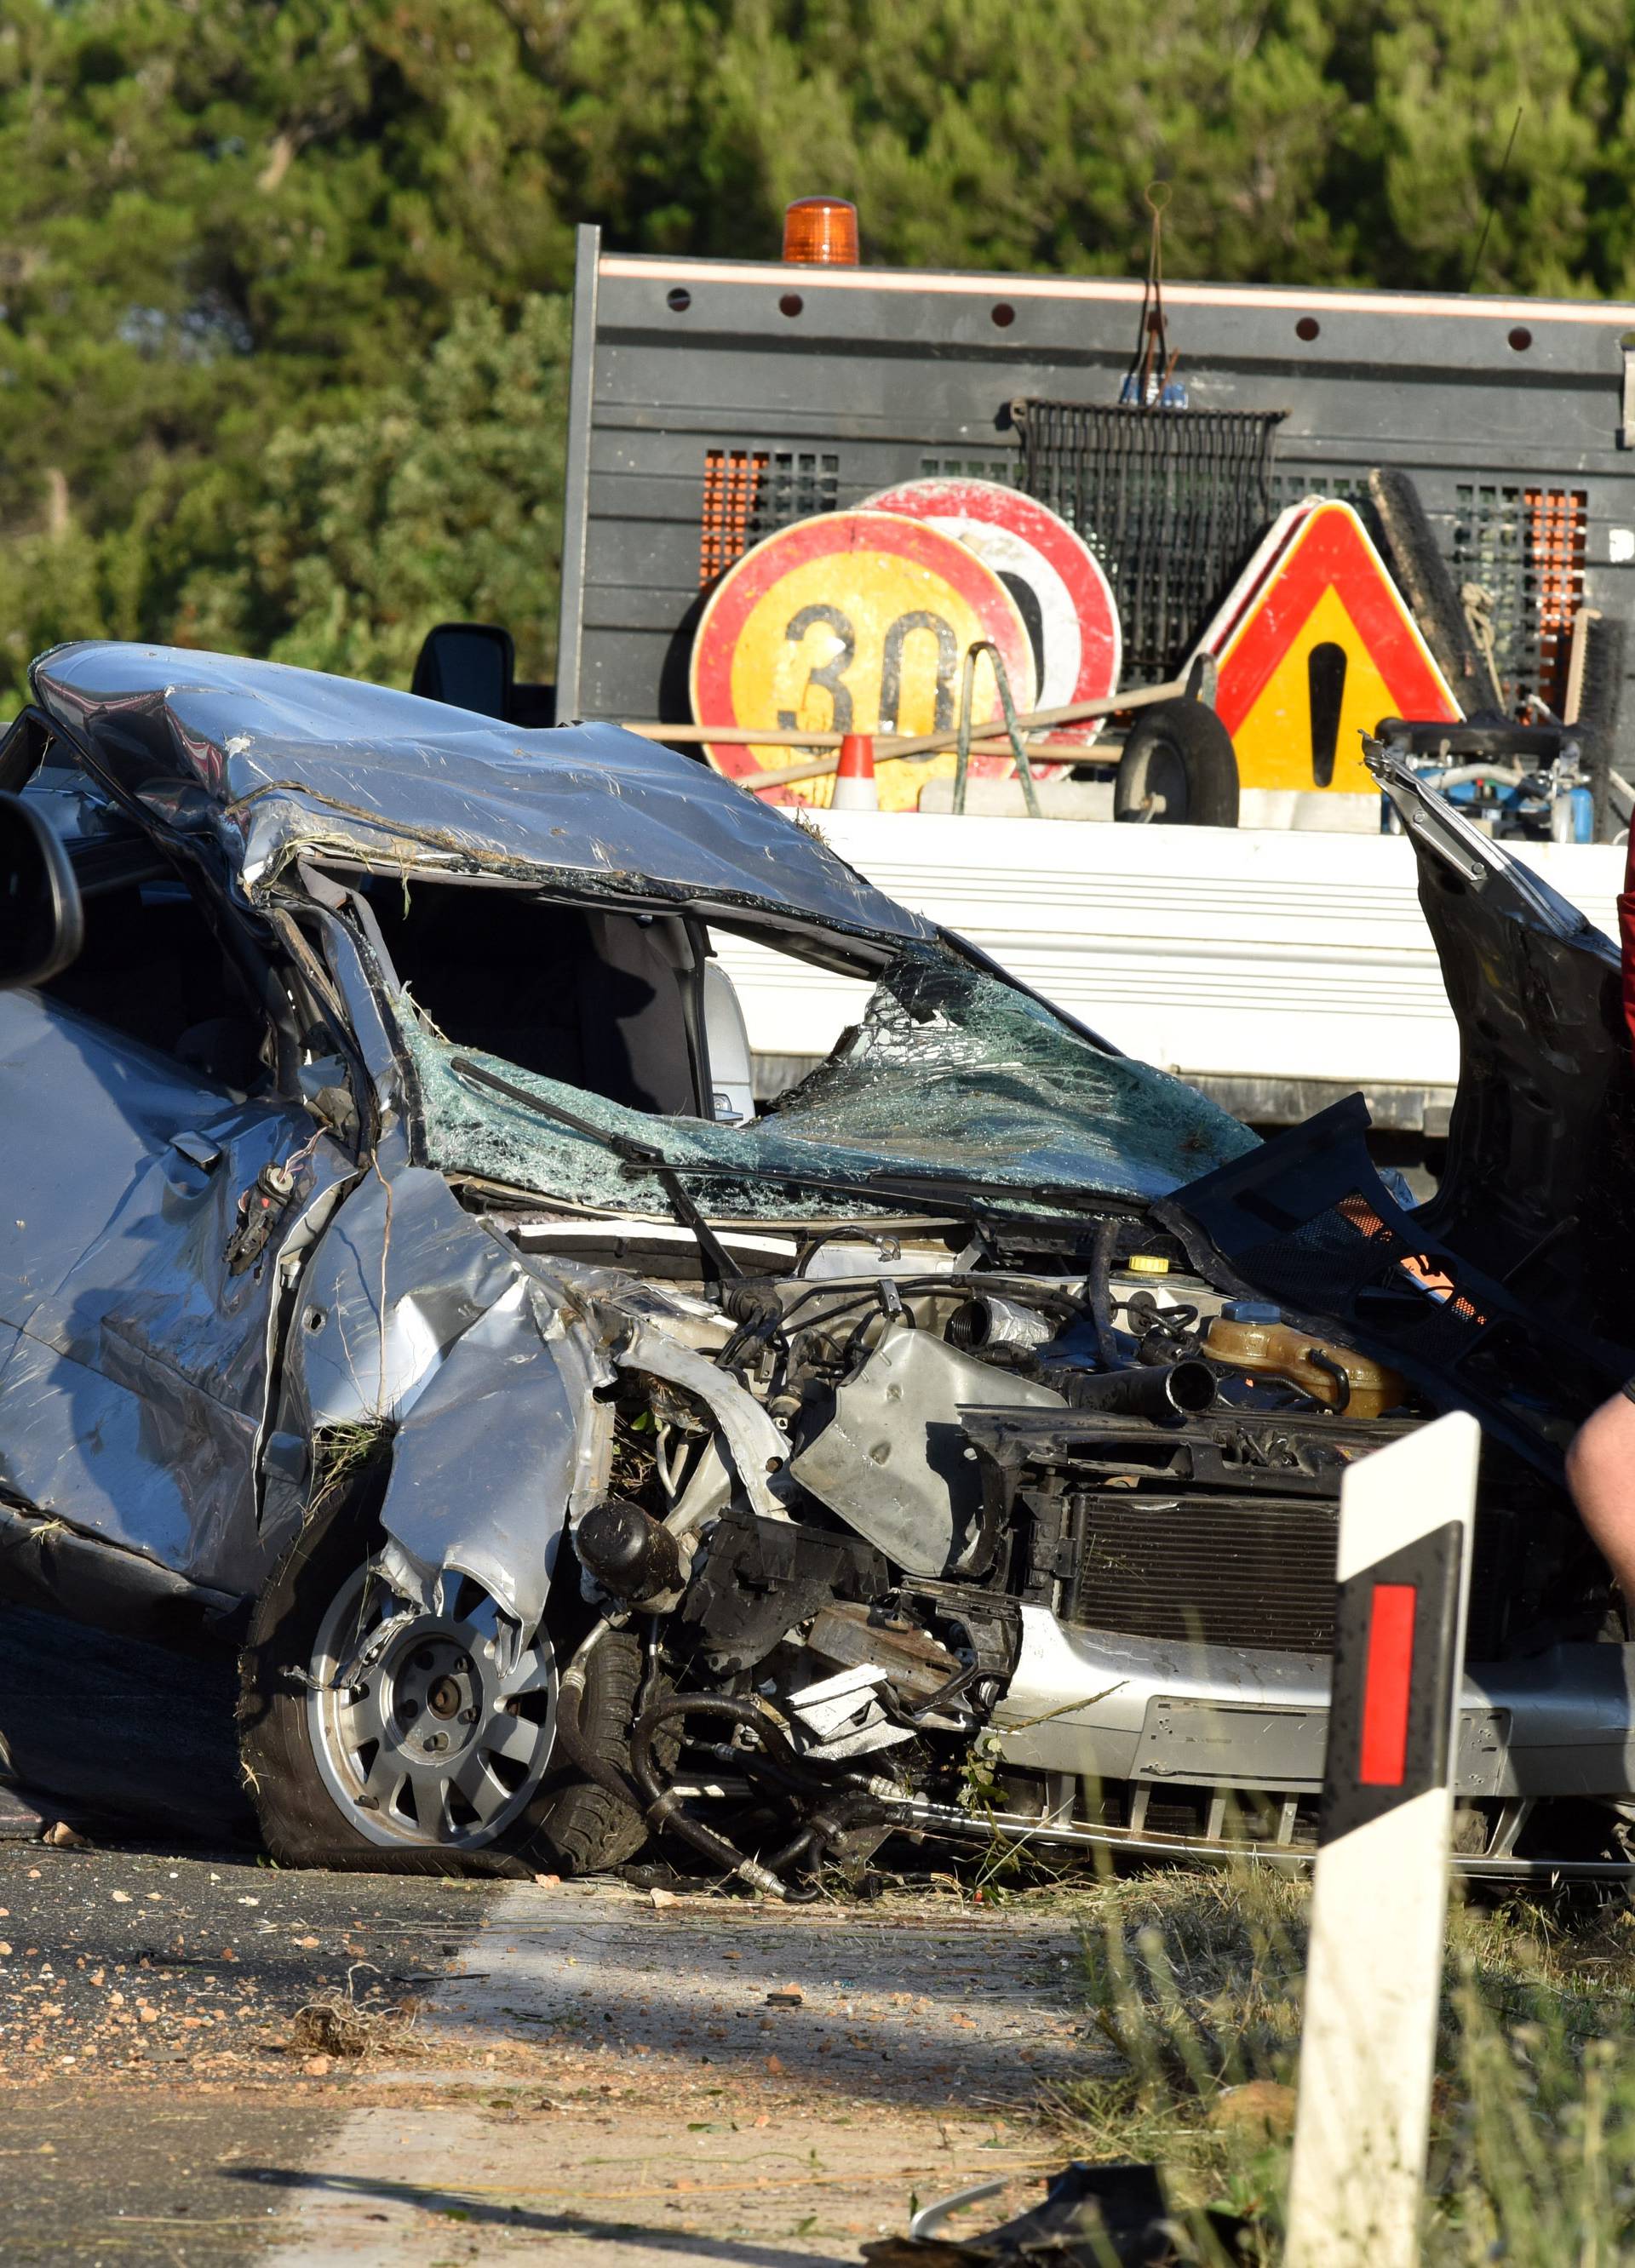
[284,762]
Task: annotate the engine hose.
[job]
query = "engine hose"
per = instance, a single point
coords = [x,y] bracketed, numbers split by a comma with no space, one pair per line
[569,1699]
[852,1808]
[799,1785]
[805,1850]
[1342,1379]
[1099,1291]
[661,1806]
[793,1855]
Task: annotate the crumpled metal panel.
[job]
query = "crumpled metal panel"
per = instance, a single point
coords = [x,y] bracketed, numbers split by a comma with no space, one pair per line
[485,1367]
[756,1447]
[148,1473]
[406,1241]
[485,1466]
[133,1372]
[280,761]
[111,1105]
[893,1462]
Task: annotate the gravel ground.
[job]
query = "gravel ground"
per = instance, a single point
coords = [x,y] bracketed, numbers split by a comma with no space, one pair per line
[709,2077]
[152,2044]
[125,1965]
[206,2060]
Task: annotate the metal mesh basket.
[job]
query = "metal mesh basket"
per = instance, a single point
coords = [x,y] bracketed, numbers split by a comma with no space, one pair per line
[1171,502]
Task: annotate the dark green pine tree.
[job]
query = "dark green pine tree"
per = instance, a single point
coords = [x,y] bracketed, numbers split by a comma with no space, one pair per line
[280,343]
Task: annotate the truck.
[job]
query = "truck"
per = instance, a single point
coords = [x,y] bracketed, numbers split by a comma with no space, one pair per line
[715,403]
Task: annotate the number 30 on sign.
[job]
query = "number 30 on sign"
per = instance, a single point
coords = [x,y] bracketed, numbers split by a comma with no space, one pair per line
[855,622]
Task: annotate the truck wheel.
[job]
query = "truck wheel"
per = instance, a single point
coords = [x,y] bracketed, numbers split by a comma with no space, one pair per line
[438,1756]
[1178,769]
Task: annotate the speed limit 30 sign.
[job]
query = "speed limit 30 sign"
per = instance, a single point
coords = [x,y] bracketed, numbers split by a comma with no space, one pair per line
[856,622]
[1050,570]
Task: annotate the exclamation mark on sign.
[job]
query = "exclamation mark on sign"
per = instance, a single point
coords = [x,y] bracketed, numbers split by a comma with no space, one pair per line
[1325,673]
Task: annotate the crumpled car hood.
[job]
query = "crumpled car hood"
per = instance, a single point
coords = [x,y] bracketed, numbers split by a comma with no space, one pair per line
[1507,1294]
[1539,1186]
[282,762]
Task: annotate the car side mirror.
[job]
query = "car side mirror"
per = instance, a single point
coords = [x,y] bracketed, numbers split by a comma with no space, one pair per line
[468,664]
[42,924]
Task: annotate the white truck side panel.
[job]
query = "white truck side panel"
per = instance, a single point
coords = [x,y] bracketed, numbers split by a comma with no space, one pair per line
[1207,951]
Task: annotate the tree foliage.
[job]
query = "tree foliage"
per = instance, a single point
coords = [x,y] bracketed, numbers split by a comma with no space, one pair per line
[280,330]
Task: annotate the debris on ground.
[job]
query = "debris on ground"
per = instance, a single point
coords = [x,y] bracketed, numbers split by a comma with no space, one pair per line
[1092,2217]
[338,2026]
[128,1967]
[1262,2107]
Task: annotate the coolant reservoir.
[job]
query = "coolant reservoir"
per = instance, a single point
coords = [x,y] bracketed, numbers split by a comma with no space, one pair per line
[1253,1337]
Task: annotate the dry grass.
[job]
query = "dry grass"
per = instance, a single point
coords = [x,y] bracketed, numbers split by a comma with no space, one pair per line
[354,2027]
[1194,1987]
[340,1456]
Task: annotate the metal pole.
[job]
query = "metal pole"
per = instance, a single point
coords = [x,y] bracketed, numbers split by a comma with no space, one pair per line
[924,744]
[576,493]
[1380,1897]
[1024,770]
[963,757]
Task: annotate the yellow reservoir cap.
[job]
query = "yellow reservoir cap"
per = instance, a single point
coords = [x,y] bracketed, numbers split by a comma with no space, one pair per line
[1147,1263]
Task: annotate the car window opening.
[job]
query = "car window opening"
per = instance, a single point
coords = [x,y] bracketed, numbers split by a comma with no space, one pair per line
[153,969]
[596,1001]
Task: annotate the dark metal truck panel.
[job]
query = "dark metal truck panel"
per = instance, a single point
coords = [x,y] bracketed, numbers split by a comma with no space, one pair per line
[713,401]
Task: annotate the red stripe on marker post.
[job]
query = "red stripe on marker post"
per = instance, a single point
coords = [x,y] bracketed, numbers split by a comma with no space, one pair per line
[1388,1681]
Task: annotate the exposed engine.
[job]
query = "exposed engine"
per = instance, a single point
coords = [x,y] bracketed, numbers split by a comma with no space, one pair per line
[892,1533]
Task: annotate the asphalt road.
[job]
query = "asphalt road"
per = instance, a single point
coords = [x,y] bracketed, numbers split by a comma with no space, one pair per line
[152,1977]
[630,2078]
[152,2041]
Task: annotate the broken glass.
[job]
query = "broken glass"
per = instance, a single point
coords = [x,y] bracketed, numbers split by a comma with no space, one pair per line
[949,1071]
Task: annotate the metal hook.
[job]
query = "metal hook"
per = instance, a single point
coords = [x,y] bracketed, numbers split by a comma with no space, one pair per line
[1024,769]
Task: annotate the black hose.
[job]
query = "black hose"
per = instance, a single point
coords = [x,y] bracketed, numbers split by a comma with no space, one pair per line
[661,1806]
[1167,1391]
[1002,1285]
[949,1691]
[658,1806]
[1343,1384]
[1098,1290]
[849,1809]
[793,1781]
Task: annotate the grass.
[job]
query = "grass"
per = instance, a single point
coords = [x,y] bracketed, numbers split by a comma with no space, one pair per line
[1194,1986]
[340,1456]
[354,2027]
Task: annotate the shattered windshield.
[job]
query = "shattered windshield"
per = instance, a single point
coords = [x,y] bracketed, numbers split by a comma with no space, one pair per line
[949,1072]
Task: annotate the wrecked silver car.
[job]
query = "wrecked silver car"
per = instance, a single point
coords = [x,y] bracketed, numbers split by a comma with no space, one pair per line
[393,1288]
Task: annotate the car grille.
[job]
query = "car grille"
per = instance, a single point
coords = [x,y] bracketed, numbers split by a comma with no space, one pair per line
[1223,1570]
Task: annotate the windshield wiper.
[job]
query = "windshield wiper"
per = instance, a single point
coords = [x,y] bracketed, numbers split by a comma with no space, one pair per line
[1062,1193]
[913,1185]
[639,1155]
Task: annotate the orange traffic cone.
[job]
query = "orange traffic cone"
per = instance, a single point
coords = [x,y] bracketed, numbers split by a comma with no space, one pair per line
[854,775]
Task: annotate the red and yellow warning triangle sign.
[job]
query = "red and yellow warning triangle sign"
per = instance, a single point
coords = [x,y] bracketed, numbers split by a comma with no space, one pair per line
[1314,646]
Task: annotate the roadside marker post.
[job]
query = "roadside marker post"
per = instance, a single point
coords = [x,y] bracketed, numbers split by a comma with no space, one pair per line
[1380,1897]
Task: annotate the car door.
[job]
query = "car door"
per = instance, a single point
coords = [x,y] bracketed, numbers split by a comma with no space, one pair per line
[136,1327]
